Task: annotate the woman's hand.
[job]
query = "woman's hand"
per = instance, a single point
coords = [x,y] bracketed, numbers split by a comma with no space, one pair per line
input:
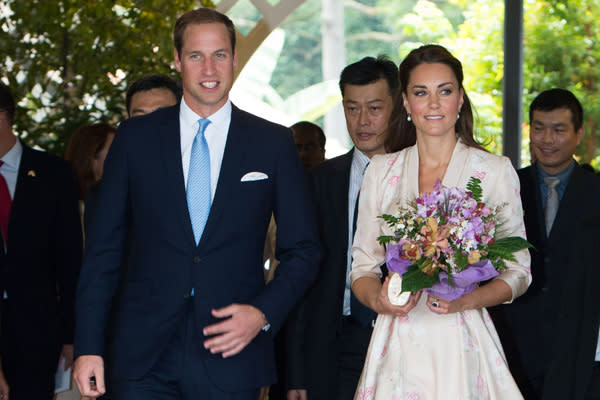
[492,293]
[441,306]
[383,305]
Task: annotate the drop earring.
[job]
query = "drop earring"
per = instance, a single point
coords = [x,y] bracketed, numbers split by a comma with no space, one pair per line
[408,118]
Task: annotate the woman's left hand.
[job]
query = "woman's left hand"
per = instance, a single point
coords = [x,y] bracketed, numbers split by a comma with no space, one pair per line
[441,306]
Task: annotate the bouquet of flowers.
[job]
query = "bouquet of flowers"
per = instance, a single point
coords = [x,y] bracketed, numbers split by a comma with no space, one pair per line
[445,242]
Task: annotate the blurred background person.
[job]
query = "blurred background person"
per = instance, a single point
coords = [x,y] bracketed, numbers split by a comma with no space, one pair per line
[86,151]
[151,92]
[40,265]
[310,141]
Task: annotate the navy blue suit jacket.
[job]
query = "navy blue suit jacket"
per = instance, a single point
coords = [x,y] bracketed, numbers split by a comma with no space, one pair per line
[313,361]
[142,196]
[39,273]
[528,327]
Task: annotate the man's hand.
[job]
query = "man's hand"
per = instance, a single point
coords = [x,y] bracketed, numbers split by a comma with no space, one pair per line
[243,323]
[297,394]
[264,393]
[4,389]
[87,367]
[67,354]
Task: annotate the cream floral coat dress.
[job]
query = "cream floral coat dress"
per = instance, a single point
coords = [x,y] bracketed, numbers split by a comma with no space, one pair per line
[426,356]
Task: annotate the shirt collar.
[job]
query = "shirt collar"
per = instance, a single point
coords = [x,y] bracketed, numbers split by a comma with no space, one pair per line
[13,156]
[562,176]
[359,160]
[190,118]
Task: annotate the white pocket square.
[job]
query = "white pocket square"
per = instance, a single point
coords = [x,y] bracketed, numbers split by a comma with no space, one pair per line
[254,176]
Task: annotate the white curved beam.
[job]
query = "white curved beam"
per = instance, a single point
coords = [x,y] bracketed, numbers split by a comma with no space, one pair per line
[272,17]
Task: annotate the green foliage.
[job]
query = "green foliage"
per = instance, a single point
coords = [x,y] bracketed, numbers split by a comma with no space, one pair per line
[69,62]
[503,250]
[414,279]
[560,51]
[474,186]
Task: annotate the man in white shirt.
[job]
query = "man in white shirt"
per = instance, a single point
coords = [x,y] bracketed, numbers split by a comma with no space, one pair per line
[41,228]
[194,187]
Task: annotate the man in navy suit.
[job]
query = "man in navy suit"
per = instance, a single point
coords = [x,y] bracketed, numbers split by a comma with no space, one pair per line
[329,334]
[194,319]
[41,228]
[532,329]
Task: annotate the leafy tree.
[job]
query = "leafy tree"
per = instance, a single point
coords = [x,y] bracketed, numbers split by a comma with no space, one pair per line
[560,51]
[69,62]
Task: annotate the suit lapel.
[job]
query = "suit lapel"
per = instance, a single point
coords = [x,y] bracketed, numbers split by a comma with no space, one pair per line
[574,191]
[342,180]
[169,132]
[235,152]
[533,212]
[25,188]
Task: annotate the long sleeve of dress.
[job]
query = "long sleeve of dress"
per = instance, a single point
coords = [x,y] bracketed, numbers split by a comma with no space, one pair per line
[506,191]
[367,253]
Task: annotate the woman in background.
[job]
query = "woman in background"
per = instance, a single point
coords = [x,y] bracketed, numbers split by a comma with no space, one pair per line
[86,151]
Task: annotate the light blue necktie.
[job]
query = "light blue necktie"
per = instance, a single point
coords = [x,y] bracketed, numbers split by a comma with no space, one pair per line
[198,184]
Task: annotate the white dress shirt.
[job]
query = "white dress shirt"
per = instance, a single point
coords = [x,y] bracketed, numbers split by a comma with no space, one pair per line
[10,168]
[357,171]
[216,137]
[10,172]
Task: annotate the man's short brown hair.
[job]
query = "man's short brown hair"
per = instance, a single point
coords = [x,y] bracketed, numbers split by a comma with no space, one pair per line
[201,16]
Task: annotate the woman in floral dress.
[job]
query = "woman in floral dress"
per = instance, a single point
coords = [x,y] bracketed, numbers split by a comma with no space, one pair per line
[430,348]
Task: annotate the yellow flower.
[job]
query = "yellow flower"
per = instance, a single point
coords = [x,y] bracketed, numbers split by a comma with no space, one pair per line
[412,251]
[428,267]
[474,257]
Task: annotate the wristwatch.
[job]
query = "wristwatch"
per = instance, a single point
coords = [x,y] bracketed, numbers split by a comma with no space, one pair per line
[267,324]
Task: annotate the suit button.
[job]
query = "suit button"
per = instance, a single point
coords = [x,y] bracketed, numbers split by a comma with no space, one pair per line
[197,259]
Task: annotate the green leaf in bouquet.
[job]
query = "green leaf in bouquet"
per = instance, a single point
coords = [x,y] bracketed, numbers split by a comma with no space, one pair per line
[389,219]
[460,259]
[474,186]
[512,243]
[414,279]
[385,239]
[503,250]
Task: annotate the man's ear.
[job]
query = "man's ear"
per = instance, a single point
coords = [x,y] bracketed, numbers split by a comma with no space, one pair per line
[177,60]
[580,133]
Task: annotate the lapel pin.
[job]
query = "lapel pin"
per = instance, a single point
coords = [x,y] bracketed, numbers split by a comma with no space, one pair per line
[31,173]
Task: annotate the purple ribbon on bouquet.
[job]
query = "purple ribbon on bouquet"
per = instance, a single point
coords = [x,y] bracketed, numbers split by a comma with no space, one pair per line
[463,282]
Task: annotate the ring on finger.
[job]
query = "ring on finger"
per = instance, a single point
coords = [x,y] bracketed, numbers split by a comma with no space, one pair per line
[435,303]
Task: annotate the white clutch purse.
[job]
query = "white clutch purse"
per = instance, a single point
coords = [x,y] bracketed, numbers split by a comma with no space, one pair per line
[395,294]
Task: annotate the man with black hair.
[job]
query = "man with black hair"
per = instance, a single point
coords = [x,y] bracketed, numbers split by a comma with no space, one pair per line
[329,333]
[150,93]
[557,194]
